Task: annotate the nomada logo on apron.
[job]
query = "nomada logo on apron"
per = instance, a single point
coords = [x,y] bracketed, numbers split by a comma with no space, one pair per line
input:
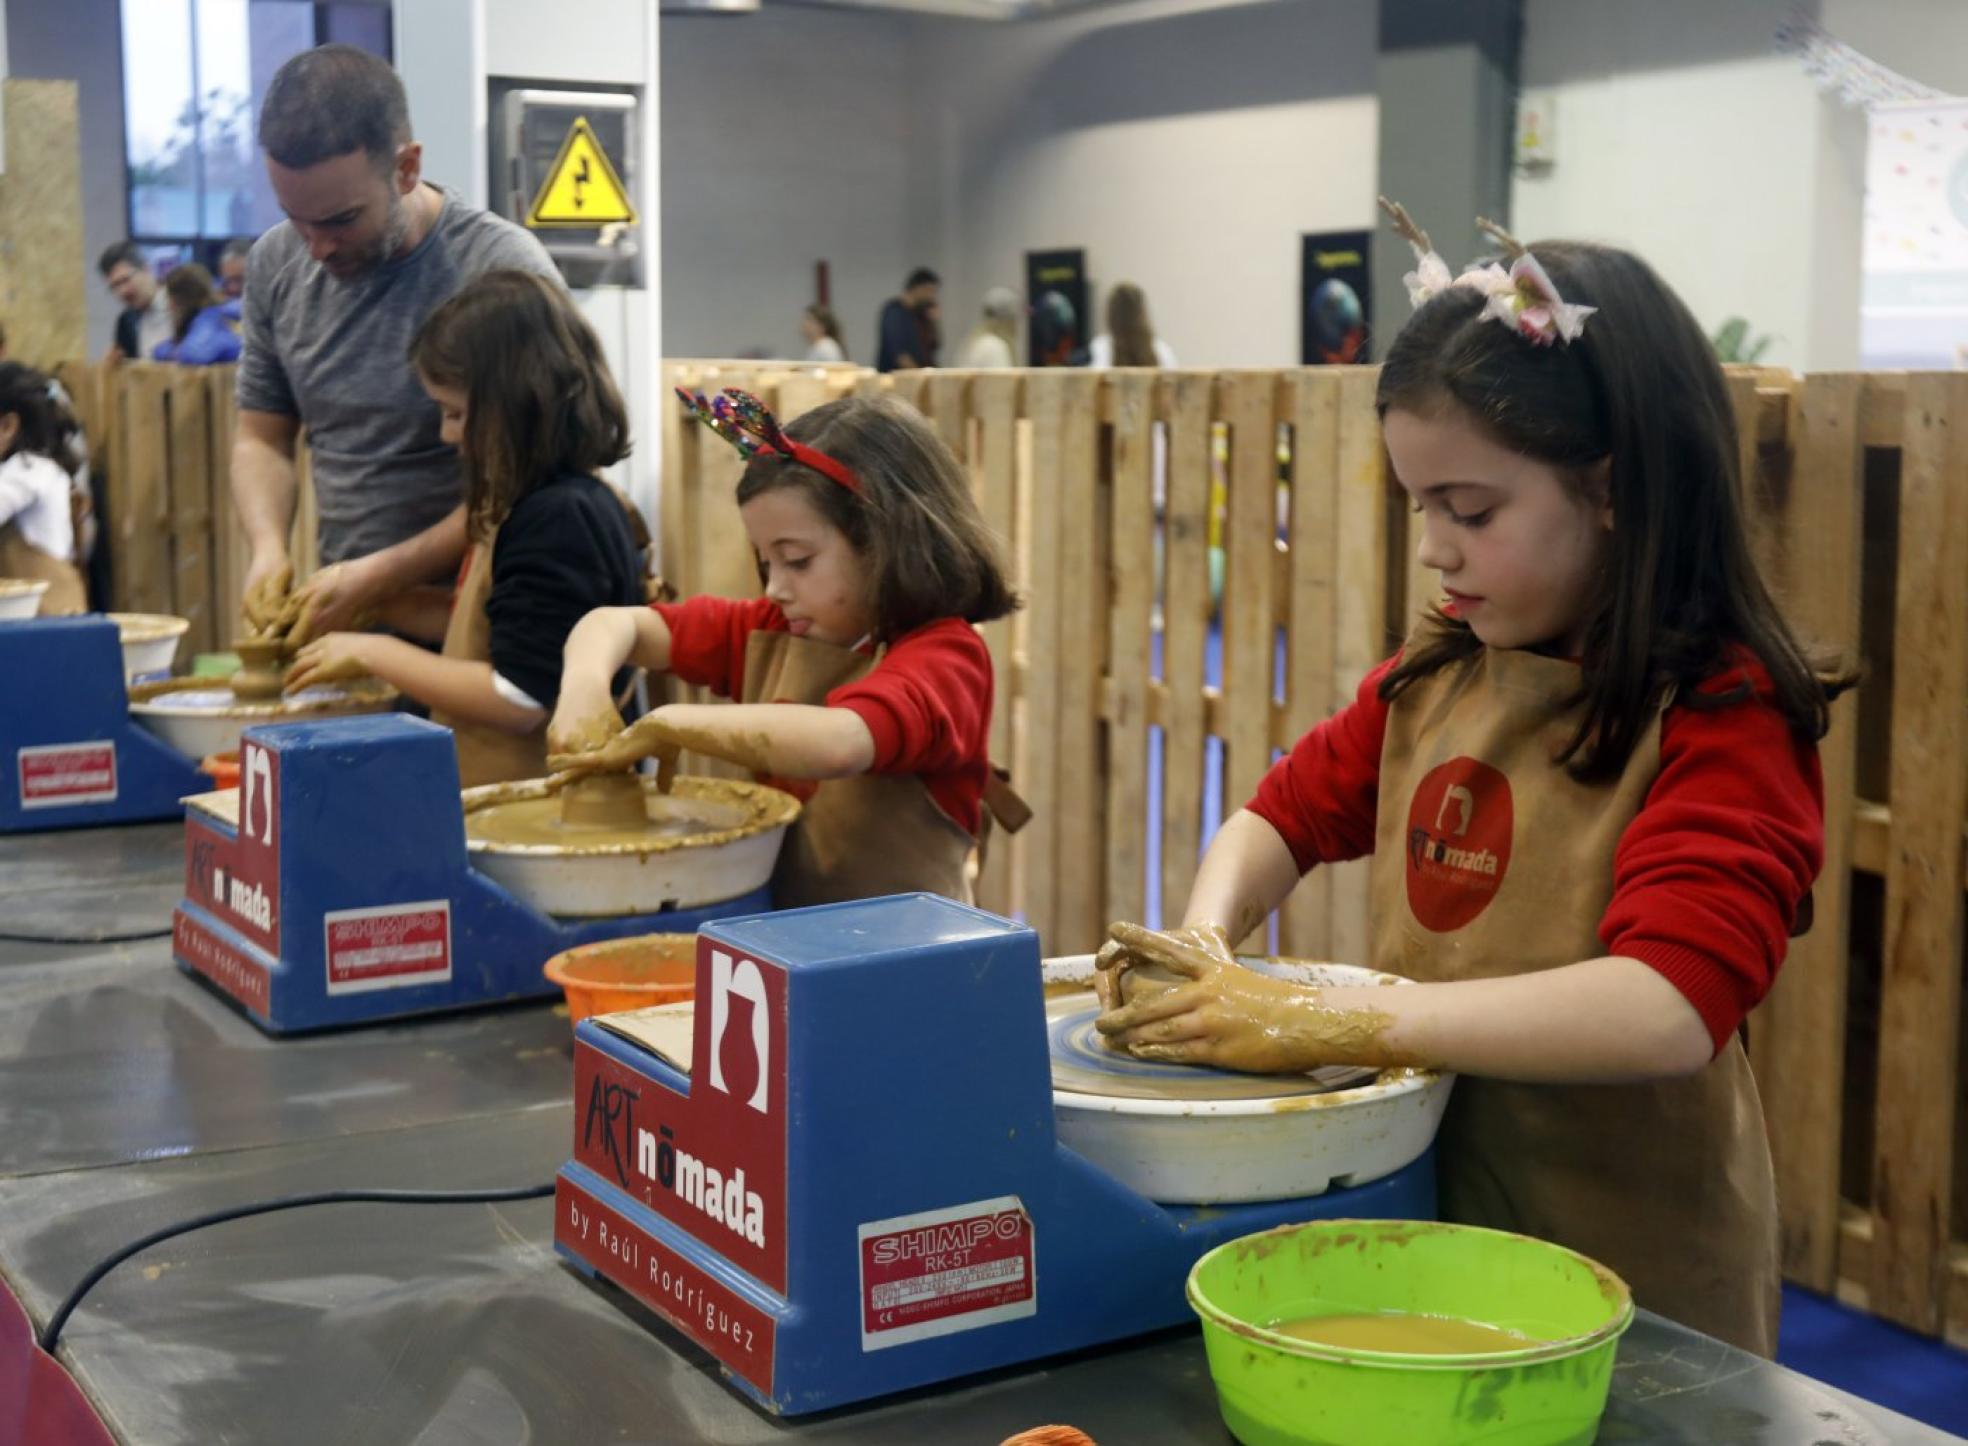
[1459,830]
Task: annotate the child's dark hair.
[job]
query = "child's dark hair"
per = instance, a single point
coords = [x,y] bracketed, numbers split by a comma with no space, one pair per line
[928,551]
[47,428]
[539,399]
[190,288]
[1640,388]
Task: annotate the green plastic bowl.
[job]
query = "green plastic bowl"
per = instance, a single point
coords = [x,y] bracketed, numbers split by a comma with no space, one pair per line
[1277,1390]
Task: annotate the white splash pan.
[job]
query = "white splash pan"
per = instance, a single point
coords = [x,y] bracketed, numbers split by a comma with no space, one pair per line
[150,643]
[200,717]
[1220,1152]
[20,597]
[624,880]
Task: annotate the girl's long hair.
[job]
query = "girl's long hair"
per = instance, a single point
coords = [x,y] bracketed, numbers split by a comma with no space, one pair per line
[1127,324]
[539,399]
[926,550]
[1640,389]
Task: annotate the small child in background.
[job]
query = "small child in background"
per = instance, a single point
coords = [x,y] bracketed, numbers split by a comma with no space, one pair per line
[859,680]
[527,399]
[203,334]
[42,500]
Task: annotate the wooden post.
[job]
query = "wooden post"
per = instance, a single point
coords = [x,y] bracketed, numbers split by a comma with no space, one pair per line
[143,510]
[1184,398]
[1305,922]
[1131,640]
[1247,401]
[994,400]
[1920,1009]
[191,507]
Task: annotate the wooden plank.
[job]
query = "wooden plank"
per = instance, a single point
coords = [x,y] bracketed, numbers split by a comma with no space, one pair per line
[994,402]
[1130,647]
[1045,406]
[1080,788]
[190,465]
[1882,409]
[1754,494]
[1304,923]
[1360,622]
[675,525]
[911,387]
[1920,1005]
[947,402]
[1799,1031]
[1184,399]
[725,565]
[230,553]
[1855,1257]
[143,521]
[1246,400]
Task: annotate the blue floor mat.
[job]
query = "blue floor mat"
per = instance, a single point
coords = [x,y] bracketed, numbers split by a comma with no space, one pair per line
[1911,1374]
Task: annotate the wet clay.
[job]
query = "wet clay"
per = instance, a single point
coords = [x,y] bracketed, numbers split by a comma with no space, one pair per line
[701,813]
[207,695]
[604,801]
[1408,1334]
[262,669]
[1082,1063]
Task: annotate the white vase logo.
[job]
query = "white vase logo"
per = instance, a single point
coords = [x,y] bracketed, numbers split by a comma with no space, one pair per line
[259,790]
[744,980]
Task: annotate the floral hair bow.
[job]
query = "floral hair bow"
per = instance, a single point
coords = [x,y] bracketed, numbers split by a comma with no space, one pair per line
[748,425]
[1522,297]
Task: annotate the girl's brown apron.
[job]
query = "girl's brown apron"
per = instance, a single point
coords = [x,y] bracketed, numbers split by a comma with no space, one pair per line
[858,837]
[1490,860]
[20,558]
[485,754]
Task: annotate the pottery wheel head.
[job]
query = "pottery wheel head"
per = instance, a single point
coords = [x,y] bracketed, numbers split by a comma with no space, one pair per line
[1083,1064]
[604,800]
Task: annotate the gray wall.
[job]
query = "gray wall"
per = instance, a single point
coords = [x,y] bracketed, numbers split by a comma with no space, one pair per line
[81,40]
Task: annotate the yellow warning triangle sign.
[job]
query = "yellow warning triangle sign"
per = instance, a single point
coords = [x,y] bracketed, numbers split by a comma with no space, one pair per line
[582,189]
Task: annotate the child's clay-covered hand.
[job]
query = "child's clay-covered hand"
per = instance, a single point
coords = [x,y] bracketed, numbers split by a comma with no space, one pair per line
[333,658]
[580,725]
[1121,973]
[648,737]
[1220,1013]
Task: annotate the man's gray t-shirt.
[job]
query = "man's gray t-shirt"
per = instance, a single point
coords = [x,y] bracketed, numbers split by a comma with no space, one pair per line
[336,355]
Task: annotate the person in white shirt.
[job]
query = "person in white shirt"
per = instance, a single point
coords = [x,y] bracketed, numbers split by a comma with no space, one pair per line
[1129,340]
[822,331]
[995,342]
[38,501]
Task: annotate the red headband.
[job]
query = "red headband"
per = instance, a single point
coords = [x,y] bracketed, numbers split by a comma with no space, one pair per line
[744,421]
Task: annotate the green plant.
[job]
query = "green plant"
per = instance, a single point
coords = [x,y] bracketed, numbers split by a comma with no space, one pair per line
[1732,342]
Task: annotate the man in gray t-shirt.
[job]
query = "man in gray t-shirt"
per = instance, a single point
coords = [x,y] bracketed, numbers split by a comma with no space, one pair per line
[333,296]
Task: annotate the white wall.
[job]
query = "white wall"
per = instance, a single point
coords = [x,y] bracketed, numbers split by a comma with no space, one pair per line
[787,140]
[1185,147]
[1682,136]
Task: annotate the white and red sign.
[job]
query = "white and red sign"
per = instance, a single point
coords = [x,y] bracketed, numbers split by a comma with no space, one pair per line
[62,775]
[943,1271]
[716,1317]
[394,946]
[712,1161]
[226,966]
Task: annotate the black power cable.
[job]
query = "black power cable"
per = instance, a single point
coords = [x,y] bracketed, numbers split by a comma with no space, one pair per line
[52,1335]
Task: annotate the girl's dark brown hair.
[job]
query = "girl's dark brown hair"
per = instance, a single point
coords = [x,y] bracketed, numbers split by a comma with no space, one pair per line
[1640,389]
[927,550]
[190,289]
[829,324]
[539,399]
[1127,324]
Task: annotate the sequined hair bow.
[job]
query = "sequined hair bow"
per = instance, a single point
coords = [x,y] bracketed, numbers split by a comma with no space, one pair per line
[1522,297]
[748,425]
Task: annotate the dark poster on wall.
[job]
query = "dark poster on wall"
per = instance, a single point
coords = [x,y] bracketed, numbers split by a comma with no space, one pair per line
[1333,298]
[1056,282]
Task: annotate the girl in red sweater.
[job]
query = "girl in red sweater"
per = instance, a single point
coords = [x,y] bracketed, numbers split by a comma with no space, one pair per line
[859,681]
[1589,784]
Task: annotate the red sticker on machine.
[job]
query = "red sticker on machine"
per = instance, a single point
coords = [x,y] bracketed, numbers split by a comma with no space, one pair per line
[220,962]
[948,1270]
[392,947]
[62,775]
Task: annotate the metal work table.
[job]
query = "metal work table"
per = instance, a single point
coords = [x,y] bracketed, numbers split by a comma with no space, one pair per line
[131,1097]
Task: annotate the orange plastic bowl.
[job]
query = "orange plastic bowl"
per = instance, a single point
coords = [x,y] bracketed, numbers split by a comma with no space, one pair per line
[631,973]
[223,768]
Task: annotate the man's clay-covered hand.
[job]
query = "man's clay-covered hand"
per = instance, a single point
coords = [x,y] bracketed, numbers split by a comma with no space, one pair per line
[1220,1013]
[265,597]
